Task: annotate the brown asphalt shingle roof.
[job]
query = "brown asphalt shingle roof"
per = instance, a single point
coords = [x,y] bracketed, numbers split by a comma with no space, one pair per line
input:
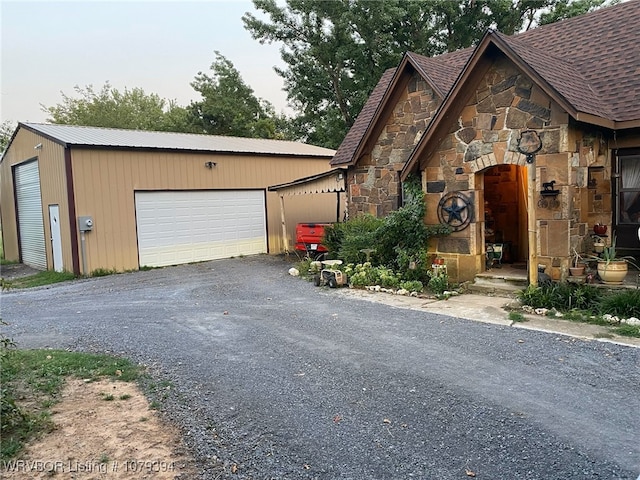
[601,48]
[593,61]
[359,128]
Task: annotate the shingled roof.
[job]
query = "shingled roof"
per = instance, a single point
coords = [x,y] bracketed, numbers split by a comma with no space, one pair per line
[601,48]
[591,63]
[358,130]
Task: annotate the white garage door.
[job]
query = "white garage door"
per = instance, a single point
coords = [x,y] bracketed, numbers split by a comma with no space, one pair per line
[30,221]
[192,226]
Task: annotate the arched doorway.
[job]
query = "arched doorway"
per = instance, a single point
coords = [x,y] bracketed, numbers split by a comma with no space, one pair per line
[505,211]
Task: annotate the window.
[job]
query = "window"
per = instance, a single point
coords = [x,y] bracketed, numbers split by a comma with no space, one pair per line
[629,189]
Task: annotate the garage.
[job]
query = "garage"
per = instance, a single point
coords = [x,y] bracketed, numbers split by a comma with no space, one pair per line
[193,226]
[154,198]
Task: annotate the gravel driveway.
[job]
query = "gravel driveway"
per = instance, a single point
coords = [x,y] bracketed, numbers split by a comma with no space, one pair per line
[290,381]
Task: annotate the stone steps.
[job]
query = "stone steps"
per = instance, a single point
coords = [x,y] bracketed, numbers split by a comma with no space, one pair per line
[498,283]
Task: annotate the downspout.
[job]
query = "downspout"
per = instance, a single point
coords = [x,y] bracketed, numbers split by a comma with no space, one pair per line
[71,205]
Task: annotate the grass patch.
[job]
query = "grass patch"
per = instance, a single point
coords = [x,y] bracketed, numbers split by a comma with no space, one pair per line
[516,317]
[39,279]
[103,272]
[36,377]
[628,330]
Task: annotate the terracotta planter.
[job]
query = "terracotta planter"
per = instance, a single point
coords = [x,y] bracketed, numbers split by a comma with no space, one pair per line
[576,271]
[612,273]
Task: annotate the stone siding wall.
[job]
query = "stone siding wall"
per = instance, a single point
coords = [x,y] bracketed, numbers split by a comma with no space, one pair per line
[373,184]
[486,134]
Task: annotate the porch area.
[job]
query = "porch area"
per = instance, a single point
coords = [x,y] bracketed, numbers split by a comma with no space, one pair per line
[507,279]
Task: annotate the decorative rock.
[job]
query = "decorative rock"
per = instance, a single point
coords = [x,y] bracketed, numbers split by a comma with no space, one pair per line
[294,272]
[631,321]
[402,291]
[610,318]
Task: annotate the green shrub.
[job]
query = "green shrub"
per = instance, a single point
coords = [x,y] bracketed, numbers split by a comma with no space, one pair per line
[561,296]
[412,285]
[624,304]
[345,240]
[365,274]
[399,240]
[438,283]
[414,265]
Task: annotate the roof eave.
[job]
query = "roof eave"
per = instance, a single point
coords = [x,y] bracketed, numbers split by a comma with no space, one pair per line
[594,120]
[311,178]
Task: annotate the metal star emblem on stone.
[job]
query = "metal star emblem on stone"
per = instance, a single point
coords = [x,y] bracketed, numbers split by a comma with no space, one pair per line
[455,211]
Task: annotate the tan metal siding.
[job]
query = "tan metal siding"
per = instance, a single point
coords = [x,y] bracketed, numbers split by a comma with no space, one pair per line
[105,181]
[53,188]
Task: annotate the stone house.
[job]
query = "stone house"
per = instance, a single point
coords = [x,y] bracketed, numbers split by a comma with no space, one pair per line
[527,140]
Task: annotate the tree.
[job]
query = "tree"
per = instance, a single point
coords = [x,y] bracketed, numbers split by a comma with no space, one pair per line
[229,106]
[336,50]
[130,109]
[564,10]
[6,131]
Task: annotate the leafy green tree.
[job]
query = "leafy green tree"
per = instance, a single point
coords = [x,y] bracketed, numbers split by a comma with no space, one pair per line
[336,50]
[229,106]
[109,107]
[6,130]
[563,9]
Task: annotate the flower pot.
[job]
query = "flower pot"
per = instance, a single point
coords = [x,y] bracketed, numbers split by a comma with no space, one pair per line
[600,229]
[612,273]
[598,247]
[576,271]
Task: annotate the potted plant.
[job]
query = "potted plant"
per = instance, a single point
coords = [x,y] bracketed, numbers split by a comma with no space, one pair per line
[598,245]
[577,270]
[611,268]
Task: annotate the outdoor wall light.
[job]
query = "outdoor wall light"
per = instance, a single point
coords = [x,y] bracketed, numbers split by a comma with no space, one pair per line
[38,147]
[210,164]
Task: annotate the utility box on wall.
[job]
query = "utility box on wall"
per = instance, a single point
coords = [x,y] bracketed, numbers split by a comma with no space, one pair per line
[85,223]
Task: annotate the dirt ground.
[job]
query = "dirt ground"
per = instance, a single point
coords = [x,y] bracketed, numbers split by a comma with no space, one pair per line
[103,430]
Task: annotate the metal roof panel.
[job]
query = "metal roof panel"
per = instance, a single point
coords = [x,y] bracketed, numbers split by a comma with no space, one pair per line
[111,137]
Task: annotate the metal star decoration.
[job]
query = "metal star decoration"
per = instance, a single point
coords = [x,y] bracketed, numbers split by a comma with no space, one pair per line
[455,211]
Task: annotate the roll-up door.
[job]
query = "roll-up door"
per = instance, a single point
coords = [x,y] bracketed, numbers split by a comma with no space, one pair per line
[30,220]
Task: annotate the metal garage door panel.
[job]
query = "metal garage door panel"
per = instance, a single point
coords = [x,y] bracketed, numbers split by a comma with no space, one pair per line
[30,221]
[192,226]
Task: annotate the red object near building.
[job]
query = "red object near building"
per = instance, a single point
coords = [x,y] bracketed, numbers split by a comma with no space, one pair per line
[309,237]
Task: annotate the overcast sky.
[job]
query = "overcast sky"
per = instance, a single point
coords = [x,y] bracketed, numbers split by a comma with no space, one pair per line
[159,46]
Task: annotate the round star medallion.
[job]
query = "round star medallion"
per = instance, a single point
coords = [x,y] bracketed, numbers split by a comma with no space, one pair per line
[455,209]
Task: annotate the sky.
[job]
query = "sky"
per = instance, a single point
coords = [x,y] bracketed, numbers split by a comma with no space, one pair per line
[49,47]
